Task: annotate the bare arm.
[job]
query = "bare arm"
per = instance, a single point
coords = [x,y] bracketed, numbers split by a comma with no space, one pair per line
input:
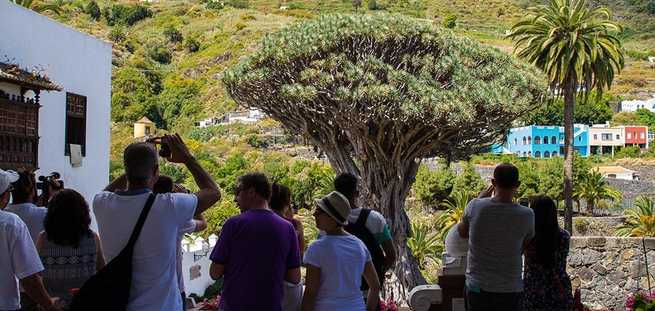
[301,239]
[389,254]
[208,193]
[201,222]
[312,283]
[463,228]
[39,242]
[100,256]
[371,277]
[118,184]
[293,276]
[216,270]
[33,286]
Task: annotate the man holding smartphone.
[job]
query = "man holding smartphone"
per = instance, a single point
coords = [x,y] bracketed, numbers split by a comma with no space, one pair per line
[497,230]
[154,278]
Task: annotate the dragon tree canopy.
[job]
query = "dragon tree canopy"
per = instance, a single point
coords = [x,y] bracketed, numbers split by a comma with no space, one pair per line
[403,82]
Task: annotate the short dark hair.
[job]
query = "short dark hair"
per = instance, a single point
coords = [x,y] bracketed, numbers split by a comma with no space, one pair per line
[164,184]
[140,160]
[506,175]
[346,184]
[280,197]
[257,181]
[67,219]
[23,187]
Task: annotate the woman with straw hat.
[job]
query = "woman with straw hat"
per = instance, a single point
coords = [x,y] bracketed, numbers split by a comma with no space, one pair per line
[336,262]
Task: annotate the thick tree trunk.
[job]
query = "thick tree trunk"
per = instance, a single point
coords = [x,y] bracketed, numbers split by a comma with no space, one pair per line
[385,188]
[569,102]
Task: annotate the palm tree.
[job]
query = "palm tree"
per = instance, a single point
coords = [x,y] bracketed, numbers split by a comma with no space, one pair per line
[40,6]
[594,188]
[424,245]
[639,220]
[579,50]
[454,206]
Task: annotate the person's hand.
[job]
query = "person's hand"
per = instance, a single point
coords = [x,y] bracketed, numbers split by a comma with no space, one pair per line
[179,151]
[487,192]
[55,305]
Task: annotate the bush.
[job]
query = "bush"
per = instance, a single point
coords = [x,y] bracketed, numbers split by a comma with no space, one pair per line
[433,187]
[126,15]
[449,22]
[238,4]
[581,225]
[159,53]
[173,35]
[191,44]
[628,152]
[215,5]
[93,10]
[373,5]
[117,34]
[239,26]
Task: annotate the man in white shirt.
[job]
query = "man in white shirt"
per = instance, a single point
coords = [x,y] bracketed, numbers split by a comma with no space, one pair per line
[23,197]
[497,230]
[19,259]
[154,276]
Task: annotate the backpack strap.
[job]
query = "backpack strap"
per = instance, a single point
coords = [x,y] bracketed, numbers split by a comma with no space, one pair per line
[139,224]
[363,216]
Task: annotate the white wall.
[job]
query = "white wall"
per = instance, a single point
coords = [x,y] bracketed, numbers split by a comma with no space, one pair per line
[79,63]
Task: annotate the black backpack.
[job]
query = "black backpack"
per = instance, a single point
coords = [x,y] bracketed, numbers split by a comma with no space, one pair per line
[109,289]
[359,230]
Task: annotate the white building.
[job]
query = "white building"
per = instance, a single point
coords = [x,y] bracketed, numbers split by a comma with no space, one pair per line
[618,172]
[75,113]
[249,116]
[634,105]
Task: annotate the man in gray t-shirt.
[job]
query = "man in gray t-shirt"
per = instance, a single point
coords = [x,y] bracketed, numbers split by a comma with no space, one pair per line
[497,229]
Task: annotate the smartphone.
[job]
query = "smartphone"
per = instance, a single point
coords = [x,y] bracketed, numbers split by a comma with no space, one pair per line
[164,150]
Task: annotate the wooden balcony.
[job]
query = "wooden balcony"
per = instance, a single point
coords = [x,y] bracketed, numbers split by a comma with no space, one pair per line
[19,132]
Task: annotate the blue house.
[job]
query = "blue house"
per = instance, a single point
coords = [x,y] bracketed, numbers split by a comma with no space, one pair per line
[545,141]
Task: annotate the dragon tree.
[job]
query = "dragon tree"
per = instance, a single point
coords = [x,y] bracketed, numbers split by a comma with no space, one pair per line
[378,93]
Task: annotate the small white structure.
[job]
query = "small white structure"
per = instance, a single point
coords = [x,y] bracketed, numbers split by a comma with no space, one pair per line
[75,113]
[634,105]
[249,116]
[618,172]
[605,139]
[144,128]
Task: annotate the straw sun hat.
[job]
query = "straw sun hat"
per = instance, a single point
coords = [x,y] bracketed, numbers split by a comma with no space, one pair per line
[336,206]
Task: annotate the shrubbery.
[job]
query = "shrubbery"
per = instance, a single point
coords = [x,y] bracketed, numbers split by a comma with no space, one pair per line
[173,35]
[159,53]
[126,15]
[449,22]
[93,10]
[117,34]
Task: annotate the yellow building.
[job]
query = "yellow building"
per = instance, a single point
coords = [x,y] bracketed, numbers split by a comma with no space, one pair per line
[144,128]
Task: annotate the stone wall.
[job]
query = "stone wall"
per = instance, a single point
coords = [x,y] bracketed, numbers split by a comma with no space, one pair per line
[608,268]
[597,226]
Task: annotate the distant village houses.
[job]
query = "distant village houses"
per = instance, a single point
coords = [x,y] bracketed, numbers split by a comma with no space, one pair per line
[634,105]
[249,116]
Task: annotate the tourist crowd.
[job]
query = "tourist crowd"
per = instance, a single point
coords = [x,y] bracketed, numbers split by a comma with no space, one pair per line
[51,259]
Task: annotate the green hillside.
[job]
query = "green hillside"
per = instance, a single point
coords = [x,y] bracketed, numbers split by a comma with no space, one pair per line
[169,55]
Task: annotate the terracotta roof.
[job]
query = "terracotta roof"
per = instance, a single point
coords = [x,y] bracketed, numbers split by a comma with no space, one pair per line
[613,169]
[13,73]
[145,120]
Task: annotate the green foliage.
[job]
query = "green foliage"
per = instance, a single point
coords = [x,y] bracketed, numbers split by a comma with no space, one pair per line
[179,100]
[128,15]
[639,220]
[581,225]
[593,188]
[93,10]
[424,244]
[40,6]
[308,181]
[628,152]
[191,44]
[450,21]
[625,118]
[133,95]
[238,4]
[468,180]
[373,5]
[424,84]
[592,109]
[218,215]
[454,210]
[356,4]
[117,34]
[256,142]
[233,167]
[645,117]
[173,35]
[159,52]
[174,171]
[432,187]
[215,5]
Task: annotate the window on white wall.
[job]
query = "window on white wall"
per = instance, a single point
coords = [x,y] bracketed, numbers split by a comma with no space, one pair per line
[75,122]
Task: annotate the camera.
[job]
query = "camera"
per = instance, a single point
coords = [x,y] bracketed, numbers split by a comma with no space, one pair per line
[51,181]
[164,149]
